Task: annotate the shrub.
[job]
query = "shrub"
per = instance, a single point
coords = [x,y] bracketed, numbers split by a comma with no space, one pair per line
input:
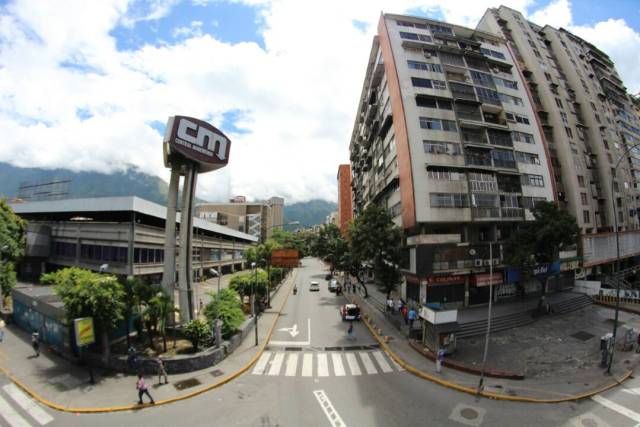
[229,307]
[196,331]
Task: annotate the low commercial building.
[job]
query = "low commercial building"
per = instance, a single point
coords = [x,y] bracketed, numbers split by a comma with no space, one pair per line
[125,233]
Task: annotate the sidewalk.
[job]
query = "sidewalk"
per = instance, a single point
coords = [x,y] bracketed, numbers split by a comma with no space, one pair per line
[546,387]
[62,383]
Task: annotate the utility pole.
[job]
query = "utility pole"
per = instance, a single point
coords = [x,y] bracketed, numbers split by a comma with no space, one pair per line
[486,339]
[254,312]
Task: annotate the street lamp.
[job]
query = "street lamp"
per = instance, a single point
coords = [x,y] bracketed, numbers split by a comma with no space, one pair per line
[617,265]
[253,300]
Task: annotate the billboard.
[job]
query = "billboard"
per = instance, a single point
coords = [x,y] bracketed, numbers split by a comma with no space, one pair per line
[284,258]
[83,328]
[196,140]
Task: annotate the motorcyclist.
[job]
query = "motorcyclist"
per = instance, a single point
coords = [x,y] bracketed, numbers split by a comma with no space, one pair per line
[295,289]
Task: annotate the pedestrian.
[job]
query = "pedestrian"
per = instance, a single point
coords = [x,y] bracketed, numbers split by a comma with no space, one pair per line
[132,359]
[398,305]
[405,313]
[161,371]
[389,305]
[350,333]
[200,304]
[35,342]
[1,330]
[142,389]
[638,342]
[412,317]
[440,360]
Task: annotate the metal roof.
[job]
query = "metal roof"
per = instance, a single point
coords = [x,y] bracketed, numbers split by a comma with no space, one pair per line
[121,204]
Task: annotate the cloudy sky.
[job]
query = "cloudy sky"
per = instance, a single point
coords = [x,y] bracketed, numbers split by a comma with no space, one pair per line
[89,85]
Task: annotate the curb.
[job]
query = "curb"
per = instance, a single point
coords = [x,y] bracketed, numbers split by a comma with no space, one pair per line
[221,382]
[613,306]
[490,395]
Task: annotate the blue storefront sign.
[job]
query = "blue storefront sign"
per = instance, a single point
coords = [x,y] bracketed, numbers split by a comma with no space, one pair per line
[540,271]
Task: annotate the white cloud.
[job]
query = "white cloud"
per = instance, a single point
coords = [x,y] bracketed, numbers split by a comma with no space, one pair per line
[297,96]
[557,14]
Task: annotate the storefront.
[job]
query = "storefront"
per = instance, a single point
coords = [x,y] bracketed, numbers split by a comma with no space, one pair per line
[479,287]
[445,289]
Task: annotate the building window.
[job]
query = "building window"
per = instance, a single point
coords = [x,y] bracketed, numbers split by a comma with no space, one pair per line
[482,78]
[583,197]
[510,99]
[395,210]
[440,29]
[530,202]
[64,249]
[585,216]
[563,116]
[449,200]
[439,147]
[494,53]
[568,132]
[506,83]
[428,83]
[558,102]
[446,174]
[430,102]
[533,180]
[522,137]
[426,66]
[488,95]
[528,158]
[503,159]
[414,36]
[438,124]
[581,181]
[519,118]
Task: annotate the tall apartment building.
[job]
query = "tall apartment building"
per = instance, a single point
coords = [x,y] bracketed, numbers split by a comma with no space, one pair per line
[589,124]
[257,219]
[446,138]
[345,205]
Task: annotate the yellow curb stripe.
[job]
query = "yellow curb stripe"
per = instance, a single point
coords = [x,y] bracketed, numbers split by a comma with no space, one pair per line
[221,382]
[491,395]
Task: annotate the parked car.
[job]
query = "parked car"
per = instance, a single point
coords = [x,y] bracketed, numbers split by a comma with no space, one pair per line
[314,287]
[350,312]
[333,285]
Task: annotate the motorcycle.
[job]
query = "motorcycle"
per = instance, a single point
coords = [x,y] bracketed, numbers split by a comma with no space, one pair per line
[295,290]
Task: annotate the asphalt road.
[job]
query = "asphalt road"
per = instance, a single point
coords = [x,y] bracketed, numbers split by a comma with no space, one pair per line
[312,375]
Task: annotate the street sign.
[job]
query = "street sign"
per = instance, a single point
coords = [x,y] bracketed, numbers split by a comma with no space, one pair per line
[284,258]
[83,328]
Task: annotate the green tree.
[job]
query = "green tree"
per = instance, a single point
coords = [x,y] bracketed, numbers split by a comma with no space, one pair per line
[88,294]
[12,243]
[540,241]
[376,241]
[162,308]
[228,308]
[196,331]
[245,283]
[330,246]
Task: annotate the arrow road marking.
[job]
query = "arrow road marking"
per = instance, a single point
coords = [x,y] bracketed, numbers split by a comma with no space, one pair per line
[293,331]
[294,343]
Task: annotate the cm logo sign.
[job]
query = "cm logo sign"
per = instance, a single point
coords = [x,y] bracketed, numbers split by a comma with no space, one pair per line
[196,140]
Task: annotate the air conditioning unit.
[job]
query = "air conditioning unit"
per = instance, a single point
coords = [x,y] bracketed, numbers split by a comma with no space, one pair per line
[477,263]
[486,262]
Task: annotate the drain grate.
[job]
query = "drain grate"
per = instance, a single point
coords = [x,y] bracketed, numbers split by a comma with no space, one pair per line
[217,372]
[293,349]
[582,335]
[190,382]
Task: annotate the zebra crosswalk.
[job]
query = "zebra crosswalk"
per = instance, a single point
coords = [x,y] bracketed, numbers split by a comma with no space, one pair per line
[12,415]
[324,364]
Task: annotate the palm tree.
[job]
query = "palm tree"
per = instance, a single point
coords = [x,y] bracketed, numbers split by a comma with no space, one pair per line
[162,307]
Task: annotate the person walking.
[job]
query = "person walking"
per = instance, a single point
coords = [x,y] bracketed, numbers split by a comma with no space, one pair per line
[412,317]
[142,389]
[35,342]
[161,371]
[389,305]
[405,314]
[1,330]
[439,360]
[350,334]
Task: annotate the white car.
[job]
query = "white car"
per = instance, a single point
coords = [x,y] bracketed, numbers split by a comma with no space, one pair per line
[350,312]
[314,287]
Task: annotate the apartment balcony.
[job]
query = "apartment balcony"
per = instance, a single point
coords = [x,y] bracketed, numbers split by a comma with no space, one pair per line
[490,101]
[456,76]
[509,184]
[505,164]
[485,213]
[474,160]
[502,139]
[371,113]
[512,213]
[473,136]
[469,114]
[483,186]
[460,91]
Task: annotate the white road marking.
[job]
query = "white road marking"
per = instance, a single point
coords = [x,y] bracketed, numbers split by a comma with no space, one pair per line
[262,363]
[292,364]
[295,343]
[353,364]
[276,363]
[11,416]
[323,365]
[293,331]
[368,363]
[28,404]
[334,418]
[338,367]
[632,390]
[382,361]
[307,365]
[617,408]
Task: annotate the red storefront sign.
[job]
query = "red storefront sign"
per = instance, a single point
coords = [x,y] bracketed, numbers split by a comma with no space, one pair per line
[483,279]
[445,280]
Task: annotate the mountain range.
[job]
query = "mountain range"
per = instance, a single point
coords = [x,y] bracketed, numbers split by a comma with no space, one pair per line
[131,182]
